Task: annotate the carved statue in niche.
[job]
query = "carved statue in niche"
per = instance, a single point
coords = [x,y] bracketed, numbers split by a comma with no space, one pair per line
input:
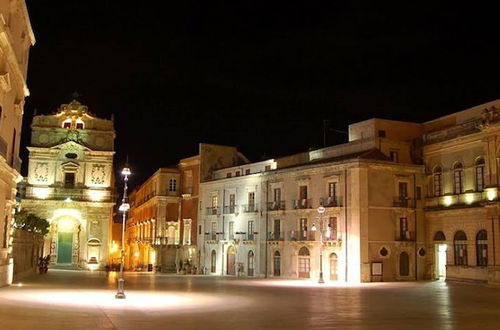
[488,116]
[41,172]
[98,174]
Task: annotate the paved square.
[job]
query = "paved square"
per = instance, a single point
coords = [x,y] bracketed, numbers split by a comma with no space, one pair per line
[84,300]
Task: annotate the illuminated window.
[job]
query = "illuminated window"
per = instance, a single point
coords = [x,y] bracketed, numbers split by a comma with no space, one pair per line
[172,185]
[437,181]
[460,244]
[79,124]
[482,248]
[458,178]
[479,174]
[394,156]
[66,123]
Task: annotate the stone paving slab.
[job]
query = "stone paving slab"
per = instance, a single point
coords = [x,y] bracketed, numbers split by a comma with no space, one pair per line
[85,300]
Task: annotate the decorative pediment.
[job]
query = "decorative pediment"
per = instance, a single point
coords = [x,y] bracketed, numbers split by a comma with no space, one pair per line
[70,146]
[70,166]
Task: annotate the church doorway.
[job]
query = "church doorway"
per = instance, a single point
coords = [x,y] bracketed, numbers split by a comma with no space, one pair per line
[64,247]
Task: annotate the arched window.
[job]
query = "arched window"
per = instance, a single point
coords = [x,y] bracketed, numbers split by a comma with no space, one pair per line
[304,263]
[480,174]
[80,124]
[458,178]
[404,264]
[439,236]
[250,263]
[482,248]
[172,185]
[66,123]
[213,261]
[460,243]
[437,181]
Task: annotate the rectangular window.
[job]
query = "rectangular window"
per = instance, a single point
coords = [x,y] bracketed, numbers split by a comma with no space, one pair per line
[237,173]
[332,194]
[214,201]
[331,230]
[394,156]
[232,203]
[69,180]
[268,167]
[303,229]
[276,230]
[251,198]
[403,229]
[381,133]
[247,171]
[403,194]
[277,194]
[213,231]
[228,175]
[418,193]
[231,230]
[199,230]
[251,230]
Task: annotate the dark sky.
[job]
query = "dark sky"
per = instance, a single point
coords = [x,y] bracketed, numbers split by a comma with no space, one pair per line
[261,76]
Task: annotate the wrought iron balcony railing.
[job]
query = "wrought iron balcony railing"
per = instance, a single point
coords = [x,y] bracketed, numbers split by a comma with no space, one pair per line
[276,206]
[276,236]
[302,235]
[249,208]
[331,201]
[302,204]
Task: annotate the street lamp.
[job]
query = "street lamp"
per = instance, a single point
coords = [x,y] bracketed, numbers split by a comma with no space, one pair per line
[124,207]
[320,210]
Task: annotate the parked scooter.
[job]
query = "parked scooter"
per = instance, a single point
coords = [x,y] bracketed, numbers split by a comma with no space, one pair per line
[43,264]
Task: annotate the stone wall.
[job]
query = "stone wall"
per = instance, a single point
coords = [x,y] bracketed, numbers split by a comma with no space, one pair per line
[26,249]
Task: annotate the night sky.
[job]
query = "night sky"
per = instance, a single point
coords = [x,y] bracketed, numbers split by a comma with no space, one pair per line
[261,76]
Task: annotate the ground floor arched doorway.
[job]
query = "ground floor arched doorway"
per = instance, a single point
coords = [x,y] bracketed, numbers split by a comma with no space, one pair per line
[65,235]
[304,263]
[231,261]
[277,264]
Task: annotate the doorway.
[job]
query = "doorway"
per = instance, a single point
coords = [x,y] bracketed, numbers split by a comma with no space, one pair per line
[64,247]
[333,267]
[277,264]
[441,261]
[304,263]
[231,258]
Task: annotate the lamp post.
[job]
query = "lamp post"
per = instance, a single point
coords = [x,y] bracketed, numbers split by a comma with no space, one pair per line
[320,210]
[124,207]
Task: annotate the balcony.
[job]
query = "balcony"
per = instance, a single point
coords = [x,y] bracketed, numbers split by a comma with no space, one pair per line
[230,209]
[402,236]
[404,202]
[276,206]
[249,208]
[302,235]
[213,210]
[467,199]
[331,201]
[276,236]
[246,236]
[302,204]
[214,237]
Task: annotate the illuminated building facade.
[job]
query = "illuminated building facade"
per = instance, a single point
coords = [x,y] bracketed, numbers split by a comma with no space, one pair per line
[461,153]
[162,230]
[70,183]
[16,37]
[153,227]
[403,201]
[262,219]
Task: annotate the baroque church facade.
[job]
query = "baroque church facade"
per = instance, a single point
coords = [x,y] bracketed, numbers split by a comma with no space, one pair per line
[70,183]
